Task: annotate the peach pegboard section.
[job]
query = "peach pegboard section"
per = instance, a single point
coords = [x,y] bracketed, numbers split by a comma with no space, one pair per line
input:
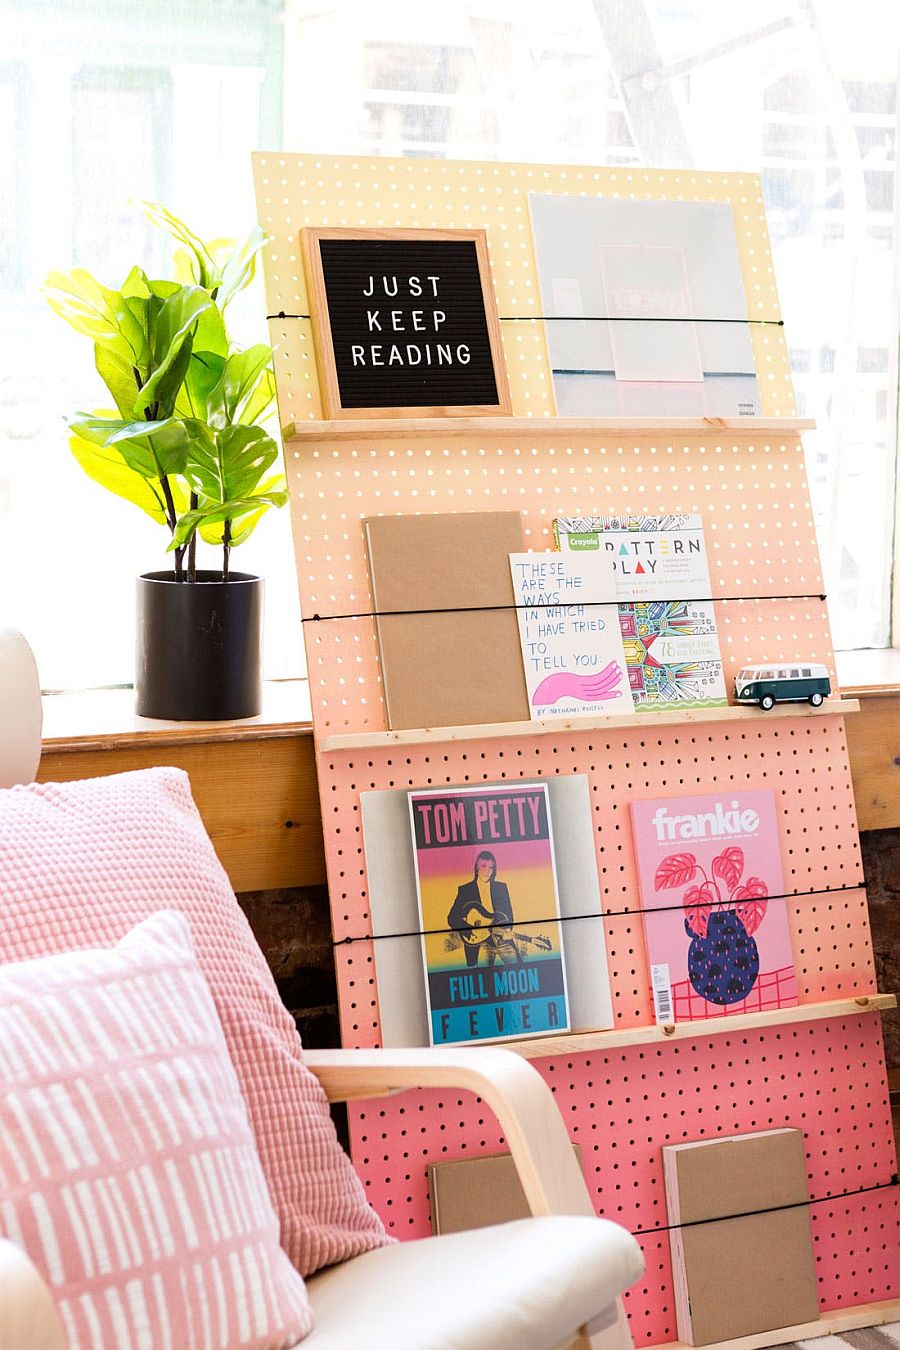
[747,479]
[297,190]
[749,486]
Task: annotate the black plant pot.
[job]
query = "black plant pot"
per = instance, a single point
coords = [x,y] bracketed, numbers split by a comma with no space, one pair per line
[197,651]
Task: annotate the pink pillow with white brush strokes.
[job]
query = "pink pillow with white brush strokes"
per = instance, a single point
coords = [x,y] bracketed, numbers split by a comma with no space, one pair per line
[80,864]
[128,1170]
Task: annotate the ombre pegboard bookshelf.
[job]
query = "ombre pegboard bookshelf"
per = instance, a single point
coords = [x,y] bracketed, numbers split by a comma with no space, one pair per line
[626,1092]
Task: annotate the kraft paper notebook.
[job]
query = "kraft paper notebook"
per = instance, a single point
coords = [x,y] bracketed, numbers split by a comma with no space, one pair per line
[451,655]
[472,1193]
[753,1272]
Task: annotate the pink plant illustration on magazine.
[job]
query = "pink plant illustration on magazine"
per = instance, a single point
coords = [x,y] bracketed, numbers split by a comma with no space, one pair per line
[714,915]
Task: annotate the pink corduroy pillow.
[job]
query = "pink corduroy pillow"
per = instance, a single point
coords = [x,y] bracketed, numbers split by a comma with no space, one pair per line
[129,1171]
[80,864]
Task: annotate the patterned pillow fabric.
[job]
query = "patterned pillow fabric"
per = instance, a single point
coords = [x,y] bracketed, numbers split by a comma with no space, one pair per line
[128,1170]
[80,865]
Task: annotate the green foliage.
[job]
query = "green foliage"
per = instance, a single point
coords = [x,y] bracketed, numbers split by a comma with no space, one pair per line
[185,443]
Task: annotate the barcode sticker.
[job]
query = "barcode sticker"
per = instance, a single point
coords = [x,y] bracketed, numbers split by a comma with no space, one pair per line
[662,992]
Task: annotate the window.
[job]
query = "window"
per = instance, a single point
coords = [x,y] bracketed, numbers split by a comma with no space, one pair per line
[101,109]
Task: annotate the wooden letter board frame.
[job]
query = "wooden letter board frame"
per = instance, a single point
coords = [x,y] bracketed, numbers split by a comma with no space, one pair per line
[321,320]
[624,1093]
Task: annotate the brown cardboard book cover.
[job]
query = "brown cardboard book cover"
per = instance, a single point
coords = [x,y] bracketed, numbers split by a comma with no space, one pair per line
[476,1192]
[752,1272]
[464,665]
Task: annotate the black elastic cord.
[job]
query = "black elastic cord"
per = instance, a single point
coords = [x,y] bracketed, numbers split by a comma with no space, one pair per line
[774,1209]
[596,914]
[555,604]
[589,318]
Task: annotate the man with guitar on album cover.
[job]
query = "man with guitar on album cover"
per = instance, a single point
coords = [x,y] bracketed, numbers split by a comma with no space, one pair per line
[482,914]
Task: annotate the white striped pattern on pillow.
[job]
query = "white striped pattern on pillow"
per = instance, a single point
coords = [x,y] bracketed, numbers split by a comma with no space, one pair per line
[128,1170]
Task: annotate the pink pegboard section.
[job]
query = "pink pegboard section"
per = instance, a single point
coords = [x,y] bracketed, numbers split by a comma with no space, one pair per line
[824,1079]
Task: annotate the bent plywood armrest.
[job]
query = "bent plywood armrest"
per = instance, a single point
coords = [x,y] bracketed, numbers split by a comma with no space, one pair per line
[28,1316]
[508,1084]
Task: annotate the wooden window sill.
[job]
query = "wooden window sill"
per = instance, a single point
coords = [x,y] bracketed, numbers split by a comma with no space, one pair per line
[104,719]
[870,673]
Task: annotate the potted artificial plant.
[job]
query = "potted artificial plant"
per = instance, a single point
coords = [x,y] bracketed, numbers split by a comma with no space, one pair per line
[186,443]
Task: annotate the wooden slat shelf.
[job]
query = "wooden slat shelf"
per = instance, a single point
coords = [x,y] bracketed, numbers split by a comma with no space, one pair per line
[373,740]
[576,1042]
[388,428]
[829,1324]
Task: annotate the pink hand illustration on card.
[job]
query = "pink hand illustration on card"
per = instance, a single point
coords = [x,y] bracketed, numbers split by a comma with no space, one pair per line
[586,688]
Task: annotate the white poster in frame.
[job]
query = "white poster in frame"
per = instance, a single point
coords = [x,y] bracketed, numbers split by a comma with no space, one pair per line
[644,306]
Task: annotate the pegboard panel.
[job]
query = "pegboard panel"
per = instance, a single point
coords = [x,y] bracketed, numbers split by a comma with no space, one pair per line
[802,760]
[750,487]
[749,484]
[297,190]
[623,1107]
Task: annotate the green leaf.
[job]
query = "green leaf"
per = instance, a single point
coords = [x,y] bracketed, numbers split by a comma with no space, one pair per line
[211,335]
[230,510]
[107,467]
[206,273]
[240,376]
[240,268]
[261,402]
[152,449]
[270,494]
[175,323]
[118,376]
[169,385]
[232,467]
[104,315]
[165,444]
[136,284]
[203,374]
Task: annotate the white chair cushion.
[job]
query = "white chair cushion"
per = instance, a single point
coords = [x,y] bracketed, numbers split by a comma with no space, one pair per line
[526,1285]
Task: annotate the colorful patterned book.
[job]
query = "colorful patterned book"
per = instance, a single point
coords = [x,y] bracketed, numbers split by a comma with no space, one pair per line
[717,944]
[666,615]
[489,913]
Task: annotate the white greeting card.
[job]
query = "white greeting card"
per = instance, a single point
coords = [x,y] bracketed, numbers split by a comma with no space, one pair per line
[570,635]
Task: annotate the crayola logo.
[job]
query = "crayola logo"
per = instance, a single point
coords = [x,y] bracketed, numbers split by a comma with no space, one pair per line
[584,543]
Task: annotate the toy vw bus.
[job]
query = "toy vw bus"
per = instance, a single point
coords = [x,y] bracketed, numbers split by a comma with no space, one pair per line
[768,685]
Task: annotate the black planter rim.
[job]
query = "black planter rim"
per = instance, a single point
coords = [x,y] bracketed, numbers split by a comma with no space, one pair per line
[204,577]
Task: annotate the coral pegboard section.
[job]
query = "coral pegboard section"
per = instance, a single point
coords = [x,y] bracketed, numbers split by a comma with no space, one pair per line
[626,1092]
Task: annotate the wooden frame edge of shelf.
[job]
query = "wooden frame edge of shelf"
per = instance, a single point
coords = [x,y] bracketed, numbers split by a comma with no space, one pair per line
[344,429]
[576,1042]
[829,1324]
[373,740]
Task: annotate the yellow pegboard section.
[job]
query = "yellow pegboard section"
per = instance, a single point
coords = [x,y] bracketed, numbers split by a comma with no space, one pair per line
[297,190]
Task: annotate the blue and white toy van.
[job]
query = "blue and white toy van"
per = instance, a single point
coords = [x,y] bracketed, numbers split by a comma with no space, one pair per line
[804,682]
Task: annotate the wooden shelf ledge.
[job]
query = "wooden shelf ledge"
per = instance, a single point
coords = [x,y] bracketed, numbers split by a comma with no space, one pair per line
[829,1324]
[374,740]
[577,1042]
[395,428]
